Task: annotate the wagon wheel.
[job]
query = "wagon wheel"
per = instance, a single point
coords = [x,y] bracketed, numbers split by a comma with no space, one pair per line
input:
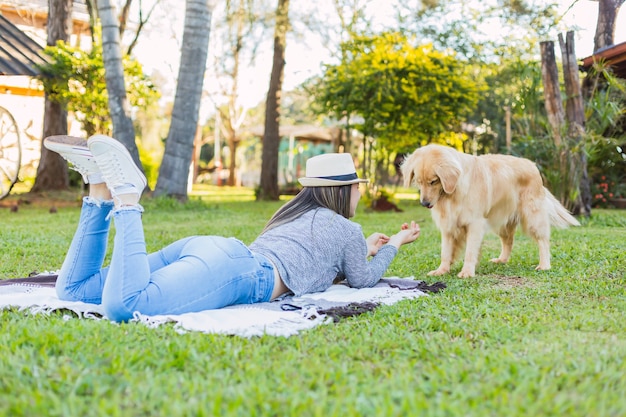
[10,152]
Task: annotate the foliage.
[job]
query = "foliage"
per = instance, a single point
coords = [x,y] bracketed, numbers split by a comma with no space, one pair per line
[606,168]
[76,78]
[237,32]
[515,84]
[505,63]
[378,193]
[511,342]
[605,115]
[401,93]
[467,27]
[296,108]
[606,189]
[149,164]
[555,163]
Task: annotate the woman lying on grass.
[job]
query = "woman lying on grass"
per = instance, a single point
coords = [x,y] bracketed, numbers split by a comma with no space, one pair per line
[306,244]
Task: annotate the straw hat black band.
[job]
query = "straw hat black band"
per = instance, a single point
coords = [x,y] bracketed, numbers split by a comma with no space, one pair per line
[346,177]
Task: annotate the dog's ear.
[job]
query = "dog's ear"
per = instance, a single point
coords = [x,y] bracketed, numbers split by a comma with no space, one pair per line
[406,168]
[408,179]
[449,173]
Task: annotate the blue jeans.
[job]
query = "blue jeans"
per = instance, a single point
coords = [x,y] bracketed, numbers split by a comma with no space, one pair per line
[192,274]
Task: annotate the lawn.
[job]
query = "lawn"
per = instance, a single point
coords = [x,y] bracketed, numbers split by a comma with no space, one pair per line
[510,342]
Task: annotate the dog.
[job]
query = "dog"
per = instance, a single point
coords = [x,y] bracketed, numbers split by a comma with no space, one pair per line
[471,195]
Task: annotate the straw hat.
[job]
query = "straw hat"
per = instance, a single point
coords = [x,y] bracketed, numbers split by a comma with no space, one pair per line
[330,169]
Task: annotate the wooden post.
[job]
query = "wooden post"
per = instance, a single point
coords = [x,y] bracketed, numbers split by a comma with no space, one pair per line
[551,90]
[574,101]
[575,113]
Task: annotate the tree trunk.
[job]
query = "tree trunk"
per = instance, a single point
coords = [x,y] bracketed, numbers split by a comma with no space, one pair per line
[271,138]
[52,169]
[575,112]
[605,28]
[174,170]
[233,143]
[119,106]
[604,37]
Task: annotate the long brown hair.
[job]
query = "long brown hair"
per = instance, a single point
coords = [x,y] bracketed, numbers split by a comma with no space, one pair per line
[335,198]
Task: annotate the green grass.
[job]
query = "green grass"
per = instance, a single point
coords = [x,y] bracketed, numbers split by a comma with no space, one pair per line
[510,342]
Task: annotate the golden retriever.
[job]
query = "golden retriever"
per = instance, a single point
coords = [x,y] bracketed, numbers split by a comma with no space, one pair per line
[470,195]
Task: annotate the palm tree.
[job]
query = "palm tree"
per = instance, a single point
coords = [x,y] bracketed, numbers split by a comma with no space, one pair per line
[119,106]
[174,170]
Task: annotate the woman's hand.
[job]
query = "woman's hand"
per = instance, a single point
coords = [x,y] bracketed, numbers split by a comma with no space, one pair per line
[407,234]
[375,242]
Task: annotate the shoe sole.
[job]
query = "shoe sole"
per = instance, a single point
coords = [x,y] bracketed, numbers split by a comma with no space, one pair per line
[117,145]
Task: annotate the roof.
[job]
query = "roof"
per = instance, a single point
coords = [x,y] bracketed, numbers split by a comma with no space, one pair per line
[303,132]
[42,5]
[19,54]
[614,55]
[34,14]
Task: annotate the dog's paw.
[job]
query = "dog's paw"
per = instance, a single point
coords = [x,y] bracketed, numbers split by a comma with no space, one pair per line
[542,267]
[466,274]
[498,260]
[438,271]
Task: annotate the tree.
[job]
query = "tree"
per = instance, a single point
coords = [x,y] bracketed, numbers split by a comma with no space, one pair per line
[52,171]
[506,63]
[405,94]
[122,18]
[271,139]
[174,170]
[604,37]
[237,31]
[352,21]
[75,79]
[605,28]
[467,26]
[119,107]
[333,26]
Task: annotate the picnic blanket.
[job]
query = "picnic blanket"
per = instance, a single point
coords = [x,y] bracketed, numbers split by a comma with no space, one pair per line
[285,316]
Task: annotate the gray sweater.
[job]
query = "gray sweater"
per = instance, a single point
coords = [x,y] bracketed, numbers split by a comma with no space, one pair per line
[311,251]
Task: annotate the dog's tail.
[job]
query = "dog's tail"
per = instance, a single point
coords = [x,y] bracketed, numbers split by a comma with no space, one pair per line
[559,216]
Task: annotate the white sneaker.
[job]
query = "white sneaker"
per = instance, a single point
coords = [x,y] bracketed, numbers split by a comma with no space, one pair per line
[75,151]
[118,169]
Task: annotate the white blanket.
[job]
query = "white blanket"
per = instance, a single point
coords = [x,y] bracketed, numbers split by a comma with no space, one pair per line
[285,316]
